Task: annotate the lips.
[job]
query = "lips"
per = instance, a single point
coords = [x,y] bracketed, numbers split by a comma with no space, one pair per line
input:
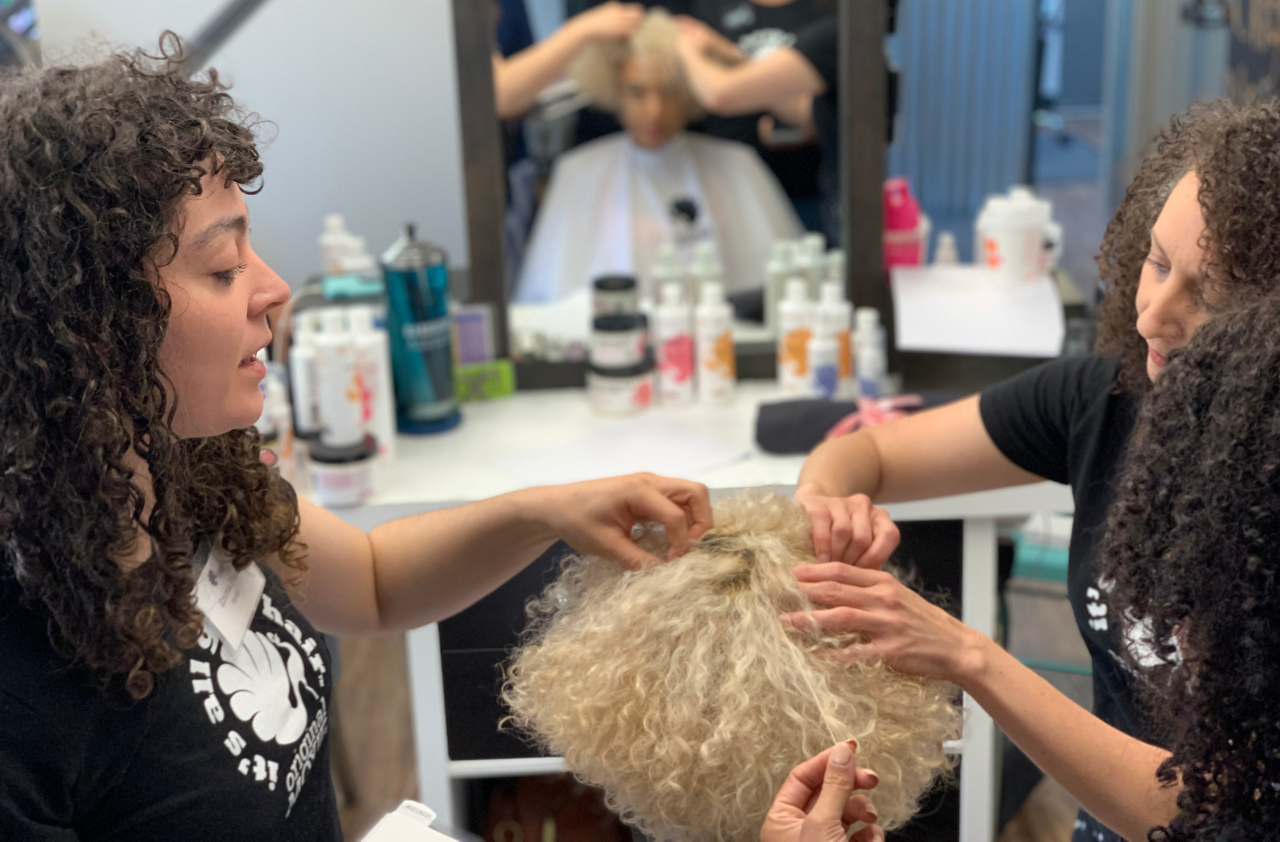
[1155,356]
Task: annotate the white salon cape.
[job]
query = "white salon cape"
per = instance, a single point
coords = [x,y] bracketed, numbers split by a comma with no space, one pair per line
[608,209]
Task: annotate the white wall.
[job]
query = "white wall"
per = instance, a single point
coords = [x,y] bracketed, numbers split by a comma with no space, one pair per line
[364,102]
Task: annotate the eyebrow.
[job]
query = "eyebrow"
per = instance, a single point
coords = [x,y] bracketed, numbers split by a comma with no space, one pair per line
[1155,242]
[237,224]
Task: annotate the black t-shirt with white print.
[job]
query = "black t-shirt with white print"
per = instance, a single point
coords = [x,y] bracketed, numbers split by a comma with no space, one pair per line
[759,30]
[229,745]
[1066,421]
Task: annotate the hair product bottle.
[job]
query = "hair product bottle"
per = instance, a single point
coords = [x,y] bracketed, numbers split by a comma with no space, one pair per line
[871,359]
[302,374]
[417,278]
[780,267]
[673,337]
[373,364]
[343,456]
[795,326]
[717,365]
[833,321]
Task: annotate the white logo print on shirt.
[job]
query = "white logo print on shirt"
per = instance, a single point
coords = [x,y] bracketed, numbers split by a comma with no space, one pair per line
[264,683]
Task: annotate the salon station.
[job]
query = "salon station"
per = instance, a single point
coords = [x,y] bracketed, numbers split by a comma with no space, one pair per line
[534,243]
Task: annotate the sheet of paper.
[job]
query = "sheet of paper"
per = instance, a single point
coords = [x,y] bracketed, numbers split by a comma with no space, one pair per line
[971,310]
[648,442]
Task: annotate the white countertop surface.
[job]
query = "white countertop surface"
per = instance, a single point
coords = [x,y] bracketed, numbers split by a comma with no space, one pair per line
[476,459]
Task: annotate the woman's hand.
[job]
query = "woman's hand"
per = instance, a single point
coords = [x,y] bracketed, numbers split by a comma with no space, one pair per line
[608,21]
[848,529]
[699,39]
[903,629]
[814,803]
[596,517]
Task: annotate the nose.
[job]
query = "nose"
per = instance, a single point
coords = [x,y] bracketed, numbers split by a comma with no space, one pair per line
[271,291]
[1166,313]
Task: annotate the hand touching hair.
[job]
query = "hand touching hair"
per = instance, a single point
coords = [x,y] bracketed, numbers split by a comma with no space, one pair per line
[677,689]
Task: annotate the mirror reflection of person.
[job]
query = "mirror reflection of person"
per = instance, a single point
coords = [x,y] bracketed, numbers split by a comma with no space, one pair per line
[793,83]
[518,78]
[613,202]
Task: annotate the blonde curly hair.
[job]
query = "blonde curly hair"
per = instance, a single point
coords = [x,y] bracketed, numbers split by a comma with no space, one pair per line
[678,691]
[597,71]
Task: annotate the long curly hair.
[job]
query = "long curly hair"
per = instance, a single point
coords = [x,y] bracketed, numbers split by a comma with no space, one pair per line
[94,161]
[597,70]
[1193,546]
[678,691]
[1235,153]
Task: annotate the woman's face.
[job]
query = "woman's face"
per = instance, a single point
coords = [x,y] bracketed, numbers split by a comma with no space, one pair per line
[1172,289]
[221,292]
[650,110]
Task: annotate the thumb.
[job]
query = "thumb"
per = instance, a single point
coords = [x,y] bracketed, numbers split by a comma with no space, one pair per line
[837,786]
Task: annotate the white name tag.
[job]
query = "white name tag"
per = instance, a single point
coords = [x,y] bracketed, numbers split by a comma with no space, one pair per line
[410,823]
[228,597]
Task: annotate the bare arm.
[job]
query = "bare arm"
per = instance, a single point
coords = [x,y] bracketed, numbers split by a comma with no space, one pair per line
[422,569]
[517,80]
[934,453]
[1112,774]
[773,83]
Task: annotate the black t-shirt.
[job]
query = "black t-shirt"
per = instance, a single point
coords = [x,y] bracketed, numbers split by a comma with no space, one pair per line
[759,30]
[229,746]
[819,43]
[1067,422]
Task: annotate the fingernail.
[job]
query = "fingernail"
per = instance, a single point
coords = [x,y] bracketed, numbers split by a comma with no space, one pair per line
[841,755]
[822,559]
[875,779]
[853,744]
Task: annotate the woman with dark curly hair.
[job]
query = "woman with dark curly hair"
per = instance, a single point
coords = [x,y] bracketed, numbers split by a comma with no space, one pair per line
[1198,233]
[1201,494]
[160,587]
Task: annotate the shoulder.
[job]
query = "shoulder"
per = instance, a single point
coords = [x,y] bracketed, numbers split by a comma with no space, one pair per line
[593,151]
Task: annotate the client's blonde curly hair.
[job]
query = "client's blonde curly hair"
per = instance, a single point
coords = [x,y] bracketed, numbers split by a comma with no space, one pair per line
[597,70]
[678,691]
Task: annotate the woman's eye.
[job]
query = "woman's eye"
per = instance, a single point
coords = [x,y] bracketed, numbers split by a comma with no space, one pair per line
[230,275]
[1157,265]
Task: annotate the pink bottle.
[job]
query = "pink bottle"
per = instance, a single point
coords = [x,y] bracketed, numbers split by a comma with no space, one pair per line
[906,229]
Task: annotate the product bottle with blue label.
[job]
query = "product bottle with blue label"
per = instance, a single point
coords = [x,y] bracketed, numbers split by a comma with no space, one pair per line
[417,279]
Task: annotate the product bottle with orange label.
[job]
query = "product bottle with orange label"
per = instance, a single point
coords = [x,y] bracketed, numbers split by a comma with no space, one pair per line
[795,326]
[713,326]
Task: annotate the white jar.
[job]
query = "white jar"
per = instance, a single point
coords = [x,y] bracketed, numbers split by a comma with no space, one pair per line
[620,391]
[1014,234]
[619,340]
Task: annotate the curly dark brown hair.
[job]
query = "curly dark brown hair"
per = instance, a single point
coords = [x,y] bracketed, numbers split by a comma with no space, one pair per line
[1193,545]
[93,163]
[1235,152]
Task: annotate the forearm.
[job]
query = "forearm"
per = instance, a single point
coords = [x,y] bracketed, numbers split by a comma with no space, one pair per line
[842,467]
[1111,774]
[518,79]
[431,566]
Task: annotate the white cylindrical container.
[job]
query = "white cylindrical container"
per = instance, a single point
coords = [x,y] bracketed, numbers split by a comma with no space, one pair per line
[824,363]
[673,341]
[620,391]
[946,253]
[619,340]
[705,268]
[335,242]
[717,363]
[302,374]
[780,267]
[870,358]
[614,294]
[1010,235]
[339,395]
[795,326]
[342,476]
[665,269]
[814,267]
[373,365]
[836,266]
[835,318]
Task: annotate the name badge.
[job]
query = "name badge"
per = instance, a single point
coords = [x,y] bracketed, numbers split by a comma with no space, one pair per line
[228,597]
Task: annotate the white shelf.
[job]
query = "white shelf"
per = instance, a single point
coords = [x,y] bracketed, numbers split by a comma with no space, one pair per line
[509,767]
